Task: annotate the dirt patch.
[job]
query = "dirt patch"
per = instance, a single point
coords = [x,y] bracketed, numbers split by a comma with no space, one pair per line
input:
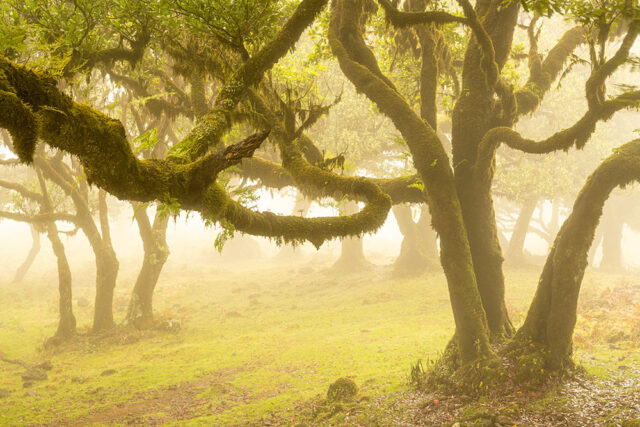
[156,407]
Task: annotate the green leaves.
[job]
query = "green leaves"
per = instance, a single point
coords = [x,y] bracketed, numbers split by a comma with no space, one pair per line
[170,206]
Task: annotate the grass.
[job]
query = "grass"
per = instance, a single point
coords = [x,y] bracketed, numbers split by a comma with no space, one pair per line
[254,343]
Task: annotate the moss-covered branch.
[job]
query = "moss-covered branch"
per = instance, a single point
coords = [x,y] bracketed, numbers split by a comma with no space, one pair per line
[401,19]
[100,144]
[212,126]
[574,136]
[542,73]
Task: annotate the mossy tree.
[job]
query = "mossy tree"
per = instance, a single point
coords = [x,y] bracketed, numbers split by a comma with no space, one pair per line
[457,188]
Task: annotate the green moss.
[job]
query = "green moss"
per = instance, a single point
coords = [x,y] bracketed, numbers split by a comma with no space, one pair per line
[342,389]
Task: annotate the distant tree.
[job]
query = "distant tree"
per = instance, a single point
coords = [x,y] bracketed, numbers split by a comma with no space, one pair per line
[37,207]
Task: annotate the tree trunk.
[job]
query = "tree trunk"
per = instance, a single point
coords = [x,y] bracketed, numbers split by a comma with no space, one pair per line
[156,252]
[300,208]
[106,275]
[31,256]
[106,271]
[473,115]
[552,316]
[67,323]
[418,250]
[352,251]
[432,163]
[515,253]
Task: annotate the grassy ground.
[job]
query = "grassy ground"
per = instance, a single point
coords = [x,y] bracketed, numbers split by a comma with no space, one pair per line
[256,346]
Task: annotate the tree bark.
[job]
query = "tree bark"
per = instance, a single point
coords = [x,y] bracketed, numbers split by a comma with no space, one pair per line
[67,323]
[515,253]
[31,256]
[106,270]
[473,115]
[156,252]
[432,163]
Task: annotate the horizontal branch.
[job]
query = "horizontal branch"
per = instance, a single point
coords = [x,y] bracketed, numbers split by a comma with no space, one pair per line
[401,19]
[22,190]
[38,218]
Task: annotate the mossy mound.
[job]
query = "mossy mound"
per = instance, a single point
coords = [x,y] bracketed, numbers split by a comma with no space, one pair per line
[342,389]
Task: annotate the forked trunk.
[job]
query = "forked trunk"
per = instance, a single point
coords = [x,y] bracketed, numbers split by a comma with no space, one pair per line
[67,322]
[156,252]
[106,270]
[418,249]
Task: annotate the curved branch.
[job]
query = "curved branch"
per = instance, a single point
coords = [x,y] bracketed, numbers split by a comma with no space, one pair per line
[543,73]
[576,135]
[552,316]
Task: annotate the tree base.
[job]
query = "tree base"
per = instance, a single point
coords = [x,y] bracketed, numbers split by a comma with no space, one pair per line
[513,366]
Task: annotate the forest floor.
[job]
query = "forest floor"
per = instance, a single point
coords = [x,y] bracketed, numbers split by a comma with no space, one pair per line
[261,347]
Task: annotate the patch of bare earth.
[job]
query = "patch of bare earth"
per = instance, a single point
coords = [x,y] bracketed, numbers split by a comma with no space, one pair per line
[158,406]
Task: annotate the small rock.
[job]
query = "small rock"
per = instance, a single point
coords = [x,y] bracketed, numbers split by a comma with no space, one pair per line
[34,374]
[130,339]
[170,326]
[108,372]
[45,366]
[82,302]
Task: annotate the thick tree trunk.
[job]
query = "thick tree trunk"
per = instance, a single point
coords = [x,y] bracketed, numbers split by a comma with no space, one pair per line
[552,316]
[31,256]
[515,253]
[473,115]
[156,252]
[67,323]
[418,250]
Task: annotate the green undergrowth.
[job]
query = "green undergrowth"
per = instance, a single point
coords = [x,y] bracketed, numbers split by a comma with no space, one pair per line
[254,345]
